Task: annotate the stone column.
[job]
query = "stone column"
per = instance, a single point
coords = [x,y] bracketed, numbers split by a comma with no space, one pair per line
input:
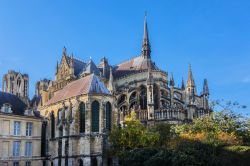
[99,160]
[86,161]
[88,116]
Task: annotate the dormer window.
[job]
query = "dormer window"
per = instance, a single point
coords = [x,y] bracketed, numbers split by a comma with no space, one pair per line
[6,108]
[29,112]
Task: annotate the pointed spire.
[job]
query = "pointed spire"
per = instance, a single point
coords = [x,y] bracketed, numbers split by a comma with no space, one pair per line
[171,80]
[64,51]
[182,84]
[190,81]
[205,88]
[146,50]
[91,68]
[111,79]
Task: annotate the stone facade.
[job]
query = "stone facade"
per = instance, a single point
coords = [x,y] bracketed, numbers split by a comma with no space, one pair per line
[16,83]
[68,142]
[134,85]
[20,132]
[83,102]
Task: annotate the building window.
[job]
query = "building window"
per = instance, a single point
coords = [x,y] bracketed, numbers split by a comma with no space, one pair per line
[16,148]
[27,163]
[30,112]
[6,108]
[82,117]
[95,116]
[29,128]
[143,98]
[156,97]
[52,125]
[93,161]
[16,163]
[17,128]
[108,116]
[28,149]
[44,143]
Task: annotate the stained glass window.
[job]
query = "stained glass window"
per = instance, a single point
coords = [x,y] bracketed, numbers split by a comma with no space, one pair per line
[95,116]
[108,116]
[82,117]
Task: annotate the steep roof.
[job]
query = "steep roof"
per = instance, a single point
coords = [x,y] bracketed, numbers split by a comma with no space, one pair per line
[91,68]
[17,105]
[85,85]
[137,64]
[78,65]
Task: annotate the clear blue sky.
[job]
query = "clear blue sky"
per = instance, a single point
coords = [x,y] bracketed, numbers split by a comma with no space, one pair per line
[212,35]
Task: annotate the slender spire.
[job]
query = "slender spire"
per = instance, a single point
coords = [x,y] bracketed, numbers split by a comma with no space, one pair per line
[205,88]
[64,51]
[171,80]
[182,84]
[190,81]
[146,50]
[111,79]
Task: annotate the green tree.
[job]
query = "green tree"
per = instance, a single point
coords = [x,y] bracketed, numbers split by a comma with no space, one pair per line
[132,135]
[220,127]
[165,134]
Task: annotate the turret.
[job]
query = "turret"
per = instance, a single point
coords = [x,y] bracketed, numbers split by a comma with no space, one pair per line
[171,80]
[150,92]
[72,64]
[205,94]
[182,84]
[111,81]
[205,88]
[190,80]
[64,51]
[190,86]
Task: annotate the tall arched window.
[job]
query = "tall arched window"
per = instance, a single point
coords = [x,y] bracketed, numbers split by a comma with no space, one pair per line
[108,116]
[93,161]
[95,116]
[82,117]
[156,97]
[143,97]
[52,125]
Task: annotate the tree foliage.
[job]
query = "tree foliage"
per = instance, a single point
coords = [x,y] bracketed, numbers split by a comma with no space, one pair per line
[211,140]
[222,127]
[132,135]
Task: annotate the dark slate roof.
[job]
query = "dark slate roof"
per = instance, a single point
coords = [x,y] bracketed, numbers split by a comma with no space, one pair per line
[79,66]
[85,85]
[92,68]
[35,101]
[17,105]
[135,65]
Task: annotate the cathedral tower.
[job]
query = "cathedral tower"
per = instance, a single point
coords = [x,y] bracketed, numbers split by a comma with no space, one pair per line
[17,84]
